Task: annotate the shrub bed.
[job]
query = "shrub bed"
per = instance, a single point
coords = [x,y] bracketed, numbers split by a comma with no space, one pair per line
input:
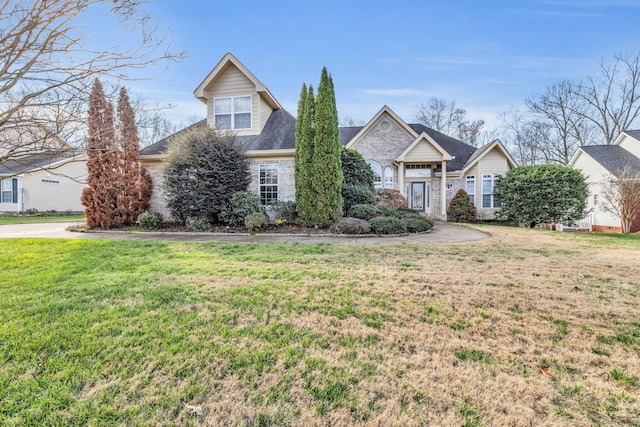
[417,224]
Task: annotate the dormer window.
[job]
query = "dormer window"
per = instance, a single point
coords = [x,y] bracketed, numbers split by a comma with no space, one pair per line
[232,112]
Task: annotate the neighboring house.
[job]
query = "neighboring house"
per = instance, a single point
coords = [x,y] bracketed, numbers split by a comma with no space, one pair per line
[42,182]
[600,163]
[427,167]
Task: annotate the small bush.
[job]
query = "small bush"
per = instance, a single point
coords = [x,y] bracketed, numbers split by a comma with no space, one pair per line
[388,225]
[197,224]
[460,208]
[365,212]
[241,204]
[406,213]
[150,220]
[256,221]
[388,211]
[351,226]
[391,198]
[356,195]
[286,212]
[417,224]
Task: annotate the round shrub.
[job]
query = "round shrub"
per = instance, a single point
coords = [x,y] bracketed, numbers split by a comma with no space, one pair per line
[351,226]
[241,204]
[388,225]
[365,212]
[388,211]
[417,224]
[197,223]
[150,220]
[393,198]
[356,195]
[256,221]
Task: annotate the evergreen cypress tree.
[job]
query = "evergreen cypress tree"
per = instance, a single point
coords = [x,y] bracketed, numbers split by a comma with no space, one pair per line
[327,168]
[100,197]
[305,197]
[134,180]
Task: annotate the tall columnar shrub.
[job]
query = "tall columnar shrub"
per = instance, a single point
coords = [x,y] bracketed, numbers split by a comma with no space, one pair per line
[542,194]
[134,180]
[203,169]
[303,161]
[100,196]
[327,169]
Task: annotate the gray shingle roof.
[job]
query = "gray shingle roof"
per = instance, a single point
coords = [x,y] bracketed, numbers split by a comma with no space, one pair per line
[32,162]
[633,133]
[612,157]
[279,133]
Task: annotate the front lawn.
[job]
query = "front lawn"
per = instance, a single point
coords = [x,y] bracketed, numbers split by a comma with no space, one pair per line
[28,219]
[528,328]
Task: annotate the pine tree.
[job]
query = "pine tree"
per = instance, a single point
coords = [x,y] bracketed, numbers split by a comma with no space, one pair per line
[305,198]
[100,197]
[327,169]
[134,180]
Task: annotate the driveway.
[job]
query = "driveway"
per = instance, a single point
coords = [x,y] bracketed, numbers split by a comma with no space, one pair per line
[442,232]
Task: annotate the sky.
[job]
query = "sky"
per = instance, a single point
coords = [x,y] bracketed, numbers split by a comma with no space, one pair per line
[488,56]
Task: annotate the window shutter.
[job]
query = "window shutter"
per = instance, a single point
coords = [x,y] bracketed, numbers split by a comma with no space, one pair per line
[15,190]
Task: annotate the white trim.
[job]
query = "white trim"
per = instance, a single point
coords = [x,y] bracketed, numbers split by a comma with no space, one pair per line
[373,121]
[486,149]
[233,113]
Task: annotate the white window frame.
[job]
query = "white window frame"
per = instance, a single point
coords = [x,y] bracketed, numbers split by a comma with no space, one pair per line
[470,188]
[388,178]
[268,184]
[377,173]
[491,178]
[9,190]
[232,113]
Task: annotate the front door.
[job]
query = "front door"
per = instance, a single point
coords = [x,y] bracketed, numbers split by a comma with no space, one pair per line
[418,196]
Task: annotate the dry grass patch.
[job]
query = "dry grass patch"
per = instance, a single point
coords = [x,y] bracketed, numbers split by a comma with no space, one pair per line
[527,328]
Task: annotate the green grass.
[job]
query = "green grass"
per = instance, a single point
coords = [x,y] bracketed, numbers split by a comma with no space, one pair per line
[8,219]
[96,332]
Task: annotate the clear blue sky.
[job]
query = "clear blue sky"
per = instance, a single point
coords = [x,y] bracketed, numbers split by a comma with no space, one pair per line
[488,56]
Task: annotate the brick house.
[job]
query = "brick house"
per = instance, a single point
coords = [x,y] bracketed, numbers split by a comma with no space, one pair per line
[426,166]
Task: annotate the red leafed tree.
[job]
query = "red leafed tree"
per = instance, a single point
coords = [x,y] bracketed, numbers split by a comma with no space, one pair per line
[100,197]
[133,199]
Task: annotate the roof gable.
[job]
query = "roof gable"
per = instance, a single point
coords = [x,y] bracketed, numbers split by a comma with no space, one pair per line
[613,158]
[484,150]
[385,110]
[429,146]
[228,60]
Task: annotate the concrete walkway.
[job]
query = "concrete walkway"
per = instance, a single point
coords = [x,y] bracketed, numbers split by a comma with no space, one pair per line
[442,232]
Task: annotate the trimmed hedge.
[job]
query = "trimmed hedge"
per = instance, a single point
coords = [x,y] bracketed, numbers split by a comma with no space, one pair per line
[356,195]
[150,220]
[241,204]
[351,226]
[366,212]
[417,224]
[388,225]
[388,211]
[256,221]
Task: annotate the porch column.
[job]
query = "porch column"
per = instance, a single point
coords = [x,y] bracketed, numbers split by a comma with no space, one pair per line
[401,179]
[443,191]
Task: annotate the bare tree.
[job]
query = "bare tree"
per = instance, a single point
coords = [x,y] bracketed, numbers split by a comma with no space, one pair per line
[47,68]
[612,96]
[350,121]
[596,110]
[621,196]
[561,112]
[444,116]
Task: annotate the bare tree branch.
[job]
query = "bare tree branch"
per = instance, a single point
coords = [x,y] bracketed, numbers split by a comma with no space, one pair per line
[621,196]
[48,65]
[446,117]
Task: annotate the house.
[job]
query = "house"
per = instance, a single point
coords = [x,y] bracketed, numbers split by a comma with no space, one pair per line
[600,163]
[37,176]
[426,166]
